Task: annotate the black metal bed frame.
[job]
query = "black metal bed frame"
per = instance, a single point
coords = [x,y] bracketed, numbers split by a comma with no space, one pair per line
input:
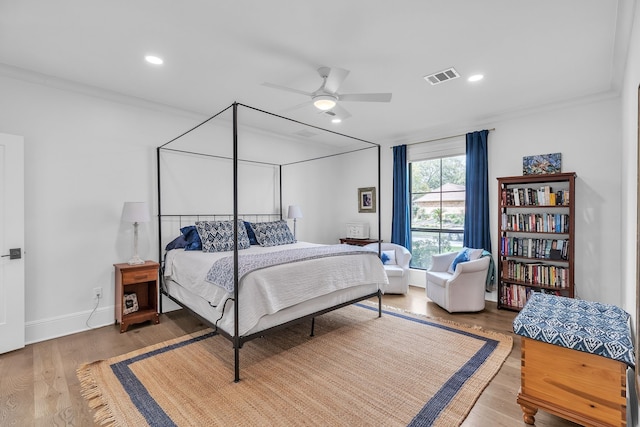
[236,339]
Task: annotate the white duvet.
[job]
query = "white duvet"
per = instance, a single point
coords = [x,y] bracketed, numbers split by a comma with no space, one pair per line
[270,290]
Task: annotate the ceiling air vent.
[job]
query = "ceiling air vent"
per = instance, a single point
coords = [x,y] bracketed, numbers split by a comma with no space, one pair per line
[442,76]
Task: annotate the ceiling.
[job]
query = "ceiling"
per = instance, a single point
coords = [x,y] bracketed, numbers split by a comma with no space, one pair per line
[533,54]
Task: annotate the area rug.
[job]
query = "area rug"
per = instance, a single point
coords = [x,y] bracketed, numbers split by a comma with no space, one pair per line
[358,369]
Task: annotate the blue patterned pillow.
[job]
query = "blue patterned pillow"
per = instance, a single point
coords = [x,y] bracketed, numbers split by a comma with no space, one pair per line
[273,233]
[217,236]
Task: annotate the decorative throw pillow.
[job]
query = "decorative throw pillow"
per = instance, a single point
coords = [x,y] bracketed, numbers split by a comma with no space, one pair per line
[466,254]
[217,236]
[389,257]
[177,243]
[190,233]
[273,233]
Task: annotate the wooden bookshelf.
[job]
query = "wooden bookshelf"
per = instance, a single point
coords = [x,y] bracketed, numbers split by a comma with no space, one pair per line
[536,222]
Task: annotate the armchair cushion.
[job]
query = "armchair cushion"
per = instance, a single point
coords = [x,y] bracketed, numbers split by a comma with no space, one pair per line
[462,290]
[396,260]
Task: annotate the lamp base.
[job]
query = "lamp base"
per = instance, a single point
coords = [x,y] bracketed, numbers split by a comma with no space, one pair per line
[136,260]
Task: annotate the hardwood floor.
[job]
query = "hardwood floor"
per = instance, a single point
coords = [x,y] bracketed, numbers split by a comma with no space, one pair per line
[39,387]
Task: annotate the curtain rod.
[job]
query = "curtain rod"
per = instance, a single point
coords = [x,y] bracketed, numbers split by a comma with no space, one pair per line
[439,139]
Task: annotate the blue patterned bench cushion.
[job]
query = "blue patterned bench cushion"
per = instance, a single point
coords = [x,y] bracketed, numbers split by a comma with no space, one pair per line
[587,326]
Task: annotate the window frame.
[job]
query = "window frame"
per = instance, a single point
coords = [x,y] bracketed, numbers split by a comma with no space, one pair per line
[452,147]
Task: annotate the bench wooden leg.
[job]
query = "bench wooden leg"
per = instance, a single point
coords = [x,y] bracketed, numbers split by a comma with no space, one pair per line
[528,414]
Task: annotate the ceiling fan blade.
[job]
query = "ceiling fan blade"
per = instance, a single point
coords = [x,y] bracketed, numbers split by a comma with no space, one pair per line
[288,89]
[366,97]
[335,78]
[296,107]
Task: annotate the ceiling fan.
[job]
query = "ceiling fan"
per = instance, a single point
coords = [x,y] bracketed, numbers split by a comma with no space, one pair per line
[326,97]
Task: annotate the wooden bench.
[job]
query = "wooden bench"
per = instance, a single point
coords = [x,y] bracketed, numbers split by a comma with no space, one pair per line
[570,367]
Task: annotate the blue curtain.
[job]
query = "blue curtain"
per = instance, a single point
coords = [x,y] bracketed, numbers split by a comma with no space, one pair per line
[401,221]
[476,217]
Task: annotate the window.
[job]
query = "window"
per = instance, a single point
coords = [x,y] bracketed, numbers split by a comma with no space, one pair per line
[437,207]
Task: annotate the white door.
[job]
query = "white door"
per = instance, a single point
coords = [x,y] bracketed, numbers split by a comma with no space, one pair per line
[12,320]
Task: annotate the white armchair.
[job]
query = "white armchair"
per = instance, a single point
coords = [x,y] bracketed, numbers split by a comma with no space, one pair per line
[464,290]
[397,269]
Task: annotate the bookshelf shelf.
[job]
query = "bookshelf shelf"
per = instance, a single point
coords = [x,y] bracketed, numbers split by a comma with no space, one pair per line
[536,223]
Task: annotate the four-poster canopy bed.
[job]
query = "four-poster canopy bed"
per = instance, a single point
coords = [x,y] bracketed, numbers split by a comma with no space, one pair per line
[243,273]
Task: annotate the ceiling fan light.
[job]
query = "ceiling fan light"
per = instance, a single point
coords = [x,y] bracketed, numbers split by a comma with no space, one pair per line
[324,102]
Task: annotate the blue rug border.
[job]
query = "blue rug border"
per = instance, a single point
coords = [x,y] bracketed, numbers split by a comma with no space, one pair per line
[441,399]
[155,415]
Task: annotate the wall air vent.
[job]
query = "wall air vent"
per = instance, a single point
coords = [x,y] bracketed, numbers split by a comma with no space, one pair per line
[442,76]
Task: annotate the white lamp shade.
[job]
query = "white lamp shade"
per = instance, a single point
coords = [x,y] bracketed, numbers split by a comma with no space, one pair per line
[135,212]
[294,212]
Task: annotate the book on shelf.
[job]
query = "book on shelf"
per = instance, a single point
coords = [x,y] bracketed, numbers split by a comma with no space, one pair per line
[543,196]
[532,248]
[518,295]
[535,273]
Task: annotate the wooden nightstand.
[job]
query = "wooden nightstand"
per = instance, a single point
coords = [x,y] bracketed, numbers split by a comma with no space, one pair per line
[358,242]
[142,280]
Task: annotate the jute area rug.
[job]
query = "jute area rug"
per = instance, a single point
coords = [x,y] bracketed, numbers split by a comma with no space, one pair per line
[357,370]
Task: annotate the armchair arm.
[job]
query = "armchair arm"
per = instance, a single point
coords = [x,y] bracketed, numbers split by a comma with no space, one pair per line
[403,257]
[468,267]
[471,266]
[441,262]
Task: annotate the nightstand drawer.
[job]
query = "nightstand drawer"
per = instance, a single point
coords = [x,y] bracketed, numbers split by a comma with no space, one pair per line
[129,277]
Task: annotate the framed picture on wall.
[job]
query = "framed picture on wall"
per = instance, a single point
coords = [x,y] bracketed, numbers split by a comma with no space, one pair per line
[367,200]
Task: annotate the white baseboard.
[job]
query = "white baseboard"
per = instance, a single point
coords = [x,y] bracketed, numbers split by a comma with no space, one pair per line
[59,326]
[417,278]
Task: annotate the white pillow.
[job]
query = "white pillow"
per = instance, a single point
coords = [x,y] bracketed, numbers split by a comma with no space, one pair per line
[466,254]
[391,257]
[475,254]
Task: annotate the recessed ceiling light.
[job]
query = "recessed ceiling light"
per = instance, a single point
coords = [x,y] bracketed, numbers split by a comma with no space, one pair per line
[475,78]
[155,60]
[336,120]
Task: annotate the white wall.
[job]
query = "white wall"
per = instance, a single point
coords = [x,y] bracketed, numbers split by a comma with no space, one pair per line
[629,193]
[85,156]
[588,136]
[629,169]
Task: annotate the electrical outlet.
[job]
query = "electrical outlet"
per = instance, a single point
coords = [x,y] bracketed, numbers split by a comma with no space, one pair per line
[97,293]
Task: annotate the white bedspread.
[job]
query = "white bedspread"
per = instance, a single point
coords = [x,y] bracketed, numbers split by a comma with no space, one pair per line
[270,290]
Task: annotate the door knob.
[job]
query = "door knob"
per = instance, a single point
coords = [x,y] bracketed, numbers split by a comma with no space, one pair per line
[15,253]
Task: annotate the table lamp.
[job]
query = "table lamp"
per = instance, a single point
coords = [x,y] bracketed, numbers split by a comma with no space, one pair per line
[135,212]
[294,213]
